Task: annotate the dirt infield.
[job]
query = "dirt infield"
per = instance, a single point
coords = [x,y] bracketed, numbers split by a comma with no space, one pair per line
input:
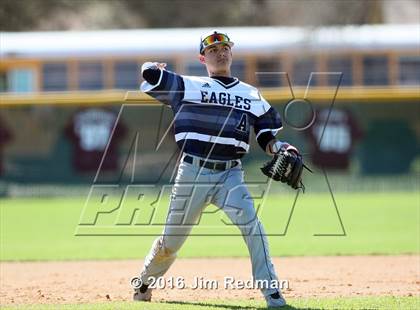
[98,281]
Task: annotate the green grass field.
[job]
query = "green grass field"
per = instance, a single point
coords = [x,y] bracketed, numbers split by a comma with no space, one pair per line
[388,302]
[380,223]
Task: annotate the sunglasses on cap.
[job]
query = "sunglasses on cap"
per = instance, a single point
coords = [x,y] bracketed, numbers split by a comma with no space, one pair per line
[214,39]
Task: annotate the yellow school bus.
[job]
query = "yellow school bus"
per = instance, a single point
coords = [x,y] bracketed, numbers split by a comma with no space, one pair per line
[376,61]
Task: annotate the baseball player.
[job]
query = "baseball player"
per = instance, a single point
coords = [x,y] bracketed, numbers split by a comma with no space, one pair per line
[213,119]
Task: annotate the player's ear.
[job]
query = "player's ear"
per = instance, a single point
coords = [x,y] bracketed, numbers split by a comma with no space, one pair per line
[202,59]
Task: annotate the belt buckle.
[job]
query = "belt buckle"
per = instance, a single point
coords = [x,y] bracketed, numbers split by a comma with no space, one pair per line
[213,165]
[207,164]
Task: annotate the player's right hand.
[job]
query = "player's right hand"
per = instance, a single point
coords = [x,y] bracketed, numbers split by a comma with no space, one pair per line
[152,65]
[160,65]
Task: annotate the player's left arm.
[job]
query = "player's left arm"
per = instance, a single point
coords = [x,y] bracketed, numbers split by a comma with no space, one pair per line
[287,164]
[266,127]
[269,143]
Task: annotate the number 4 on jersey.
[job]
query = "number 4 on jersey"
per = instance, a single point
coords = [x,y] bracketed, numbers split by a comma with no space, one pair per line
[242,125]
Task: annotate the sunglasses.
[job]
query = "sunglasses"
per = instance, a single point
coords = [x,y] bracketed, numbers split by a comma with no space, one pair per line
[214,38]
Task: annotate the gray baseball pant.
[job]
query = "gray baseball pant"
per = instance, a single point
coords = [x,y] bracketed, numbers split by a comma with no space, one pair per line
[195,187]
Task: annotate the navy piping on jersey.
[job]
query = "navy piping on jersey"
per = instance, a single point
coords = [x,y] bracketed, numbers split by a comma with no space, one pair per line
[224,79]
[227,86]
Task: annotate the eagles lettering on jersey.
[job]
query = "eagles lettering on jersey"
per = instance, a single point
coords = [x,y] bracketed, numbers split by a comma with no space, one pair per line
[212,118]
[225,99]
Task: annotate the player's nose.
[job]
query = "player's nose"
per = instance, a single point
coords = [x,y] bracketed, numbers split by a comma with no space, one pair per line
[223,52]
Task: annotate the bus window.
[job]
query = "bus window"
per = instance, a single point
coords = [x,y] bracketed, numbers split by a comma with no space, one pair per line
[343,65]
[21,80]
[91,76]
[302,69]
[409,70]
[3,82]
[126,75]
[268,72]
[196,68]
[238,69]
[54,77]
[375,70]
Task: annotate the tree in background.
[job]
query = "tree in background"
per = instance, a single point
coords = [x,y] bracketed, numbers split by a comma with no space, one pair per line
[44,15]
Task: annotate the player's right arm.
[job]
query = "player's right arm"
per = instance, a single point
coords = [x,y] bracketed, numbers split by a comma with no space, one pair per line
[165,86]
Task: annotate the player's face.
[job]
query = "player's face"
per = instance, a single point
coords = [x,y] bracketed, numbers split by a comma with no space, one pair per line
[218,59]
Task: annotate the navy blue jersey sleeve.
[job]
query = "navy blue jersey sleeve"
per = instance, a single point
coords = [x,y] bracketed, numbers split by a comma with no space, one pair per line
[269,121]
[169,88]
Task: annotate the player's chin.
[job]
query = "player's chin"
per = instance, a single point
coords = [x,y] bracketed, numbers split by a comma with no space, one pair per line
[223,65]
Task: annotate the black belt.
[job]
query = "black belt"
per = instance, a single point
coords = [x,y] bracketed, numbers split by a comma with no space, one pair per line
[211,165]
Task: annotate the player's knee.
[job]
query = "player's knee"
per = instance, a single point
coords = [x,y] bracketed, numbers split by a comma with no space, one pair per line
[245,214]
[164,250]
[168,251]
[249,214]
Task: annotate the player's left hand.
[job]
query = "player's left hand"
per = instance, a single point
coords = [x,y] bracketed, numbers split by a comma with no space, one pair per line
[279,146]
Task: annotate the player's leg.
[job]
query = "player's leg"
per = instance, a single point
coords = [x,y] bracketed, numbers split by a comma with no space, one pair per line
[188,199]
[235,200]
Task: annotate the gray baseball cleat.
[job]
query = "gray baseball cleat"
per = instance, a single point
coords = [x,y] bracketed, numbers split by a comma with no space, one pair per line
[275,300]
[142,294]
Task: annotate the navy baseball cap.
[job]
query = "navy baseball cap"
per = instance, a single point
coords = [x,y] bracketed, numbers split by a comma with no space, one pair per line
[213,38]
